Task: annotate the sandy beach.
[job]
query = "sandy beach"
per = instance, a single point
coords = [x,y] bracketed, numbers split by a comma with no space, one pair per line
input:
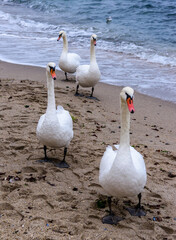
[41,202]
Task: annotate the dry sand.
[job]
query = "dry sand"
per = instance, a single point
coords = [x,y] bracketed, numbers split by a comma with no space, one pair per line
[41,202]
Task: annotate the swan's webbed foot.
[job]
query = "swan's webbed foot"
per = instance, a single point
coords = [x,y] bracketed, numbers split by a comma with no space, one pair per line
[76,93]
[79,95]
[46,159]
[94,98]
[91,95]
[62,164]
[111,219]
[138,210]
[66,78]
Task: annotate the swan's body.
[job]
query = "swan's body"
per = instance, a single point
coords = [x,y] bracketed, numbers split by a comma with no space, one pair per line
[89,75]
[55,127]
[122,171]
[68,62]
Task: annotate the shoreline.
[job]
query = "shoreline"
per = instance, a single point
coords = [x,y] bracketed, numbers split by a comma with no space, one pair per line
[40,201]
[107,94]
[28,66]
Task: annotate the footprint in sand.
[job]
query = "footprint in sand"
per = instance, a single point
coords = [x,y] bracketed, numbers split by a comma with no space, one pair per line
[6,206]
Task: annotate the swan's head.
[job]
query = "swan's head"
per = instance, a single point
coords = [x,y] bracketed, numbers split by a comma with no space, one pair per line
[94,39]
[61,34]
[50,70]
[127,96]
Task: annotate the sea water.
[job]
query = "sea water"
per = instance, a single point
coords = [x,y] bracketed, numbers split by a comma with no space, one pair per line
[137,48]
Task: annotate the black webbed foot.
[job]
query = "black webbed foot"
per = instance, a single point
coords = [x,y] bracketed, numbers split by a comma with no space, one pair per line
[136,211]
[44,160]
[111,219]
[94,98]
[79,95]
[62,164]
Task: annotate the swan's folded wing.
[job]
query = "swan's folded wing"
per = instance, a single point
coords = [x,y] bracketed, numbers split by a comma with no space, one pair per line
[40,122]
[64,118]
[139,165]
[137,158]
[107,160]
[83,75]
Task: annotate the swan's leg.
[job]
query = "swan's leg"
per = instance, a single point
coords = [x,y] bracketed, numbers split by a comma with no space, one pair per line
[46,159]
[63,163]
[111,218]
[45,152]
[66,76]
[76,93]
[91,95]
[138,210]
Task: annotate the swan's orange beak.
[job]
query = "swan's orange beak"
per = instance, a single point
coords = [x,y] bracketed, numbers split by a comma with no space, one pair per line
[53,74]
[59,37]
[95,42]
[130,105]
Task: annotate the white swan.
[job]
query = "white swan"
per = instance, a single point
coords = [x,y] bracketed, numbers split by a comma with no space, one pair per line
[122,172]
[88,75]
[55,127]
[68,61]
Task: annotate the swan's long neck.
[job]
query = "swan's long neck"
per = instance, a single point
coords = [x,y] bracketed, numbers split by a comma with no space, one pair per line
[65,44]
[51,107]
[125,125]
[92,53]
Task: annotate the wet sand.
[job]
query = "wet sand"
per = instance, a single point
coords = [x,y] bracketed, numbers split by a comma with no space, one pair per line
[41,202]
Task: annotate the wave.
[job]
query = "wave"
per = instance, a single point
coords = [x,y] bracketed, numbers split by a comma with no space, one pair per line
[25,24]
[108,38]
[135,51]
[42,6]
[30,29]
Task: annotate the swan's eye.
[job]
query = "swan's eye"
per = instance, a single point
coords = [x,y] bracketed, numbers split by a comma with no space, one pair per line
[52,68]
[128,97]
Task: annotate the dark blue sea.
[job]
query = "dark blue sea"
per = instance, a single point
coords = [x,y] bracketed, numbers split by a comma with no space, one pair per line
[137,48]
